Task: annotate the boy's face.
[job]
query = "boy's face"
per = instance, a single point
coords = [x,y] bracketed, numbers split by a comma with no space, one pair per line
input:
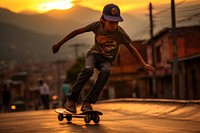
[110,25]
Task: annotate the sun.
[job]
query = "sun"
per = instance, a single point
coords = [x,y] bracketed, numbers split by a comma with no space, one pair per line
[59,5]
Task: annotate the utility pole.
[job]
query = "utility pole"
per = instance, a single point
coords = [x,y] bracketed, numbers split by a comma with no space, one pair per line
[151,32]
[155,91]
[175,78]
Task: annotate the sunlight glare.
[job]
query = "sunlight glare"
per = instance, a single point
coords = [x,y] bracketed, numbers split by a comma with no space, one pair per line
[59,5]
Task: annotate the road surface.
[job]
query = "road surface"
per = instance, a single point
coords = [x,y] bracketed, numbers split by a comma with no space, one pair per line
[120,117]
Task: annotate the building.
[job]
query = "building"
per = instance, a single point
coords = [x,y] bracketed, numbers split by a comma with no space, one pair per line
[127,69]
[22,80]
[188,41]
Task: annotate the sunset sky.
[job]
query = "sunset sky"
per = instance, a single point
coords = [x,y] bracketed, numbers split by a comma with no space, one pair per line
[46,5]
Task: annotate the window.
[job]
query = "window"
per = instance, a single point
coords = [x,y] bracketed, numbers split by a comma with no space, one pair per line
[158,54]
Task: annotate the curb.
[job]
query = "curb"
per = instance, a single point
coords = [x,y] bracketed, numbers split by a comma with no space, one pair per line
[163,108]
[151,101]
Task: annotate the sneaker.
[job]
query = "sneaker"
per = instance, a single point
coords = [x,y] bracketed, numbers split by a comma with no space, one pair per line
[70,106]
[86,107]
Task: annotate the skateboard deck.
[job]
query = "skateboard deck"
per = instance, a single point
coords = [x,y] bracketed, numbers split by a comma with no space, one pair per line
[87,115]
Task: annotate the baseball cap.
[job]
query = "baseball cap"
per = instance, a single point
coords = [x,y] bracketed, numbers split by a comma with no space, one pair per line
[111,12]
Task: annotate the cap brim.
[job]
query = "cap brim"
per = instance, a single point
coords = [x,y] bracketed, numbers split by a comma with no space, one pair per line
[113,18]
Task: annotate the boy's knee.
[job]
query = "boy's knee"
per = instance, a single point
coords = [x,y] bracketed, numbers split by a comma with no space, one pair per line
[89,70]
[105,70]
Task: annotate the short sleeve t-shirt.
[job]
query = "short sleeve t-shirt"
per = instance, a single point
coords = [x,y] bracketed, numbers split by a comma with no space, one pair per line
[106,42]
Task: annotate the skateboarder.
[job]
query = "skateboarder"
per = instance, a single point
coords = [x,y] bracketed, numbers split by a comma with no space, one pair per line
[108,36]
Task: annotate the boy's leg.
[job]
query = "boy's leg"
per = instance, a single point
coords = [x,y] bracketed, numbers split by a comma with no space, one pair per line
[103,76]
[83,77]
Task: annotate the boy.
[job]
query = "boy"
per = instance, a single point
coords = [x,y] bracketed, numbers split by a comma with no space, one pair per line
[108,37]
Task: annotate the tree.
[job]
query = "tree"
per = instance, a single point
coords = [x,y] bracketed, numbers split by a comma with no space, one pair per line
[73,72]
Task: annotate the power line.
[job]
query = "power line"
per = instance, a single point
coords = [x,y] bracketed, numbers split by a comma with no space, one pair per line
[189,18]
[189,7]
[169,8]
[183,14]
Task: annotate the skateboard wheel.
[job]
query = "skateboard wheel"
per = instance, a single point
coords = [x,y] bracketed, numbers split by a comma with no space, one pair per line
[87,119]
[96,119]
[60,117]
[69,117]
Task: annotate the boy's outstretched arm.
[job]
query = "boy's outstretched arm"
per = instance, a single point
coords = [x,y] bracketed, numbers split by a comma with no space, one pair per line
[56,47]
[135,52]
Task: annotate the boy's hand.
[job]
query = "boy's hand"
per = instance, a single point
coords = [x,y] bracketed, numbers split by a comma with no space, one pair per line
[148,67]
[55,48]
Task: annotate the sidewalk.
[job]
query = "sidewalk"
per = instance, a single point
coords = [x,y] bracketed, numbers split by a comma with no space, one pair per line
[164,108]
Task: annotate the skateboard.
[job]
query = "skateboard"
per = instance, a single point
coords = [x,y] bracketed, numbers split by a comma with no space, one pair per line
[87,115]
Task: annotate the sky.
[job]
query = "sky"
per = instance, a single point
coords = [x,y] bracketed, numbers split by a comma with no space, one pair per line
[42,6]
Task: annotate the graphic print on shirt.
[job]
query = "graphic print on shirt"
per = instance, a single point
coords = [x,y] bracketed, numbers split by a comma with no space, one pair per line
[106,44]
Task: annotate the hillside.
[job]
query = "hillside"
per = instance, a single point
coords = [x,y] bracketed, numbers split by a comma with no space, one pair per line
[22,45]
[40,23]
[61,22]
[30,37]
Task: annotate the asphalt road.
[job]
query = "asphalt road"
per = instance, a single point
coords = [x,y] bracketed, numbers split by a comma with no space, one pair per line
[120,117]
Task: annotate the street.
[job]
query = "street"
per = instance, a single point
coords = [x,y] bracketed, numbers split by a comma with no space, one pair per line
[123,117]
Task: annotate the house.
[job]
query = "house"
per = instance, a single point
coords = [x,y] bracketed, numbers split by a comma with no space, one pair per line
[127,71]
[22,80]
[188,52]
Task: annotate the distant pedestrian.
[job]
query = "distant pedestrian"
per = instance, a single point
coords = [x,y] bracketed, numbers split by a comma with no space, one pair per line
[65,91]
[44,92]
[6,99]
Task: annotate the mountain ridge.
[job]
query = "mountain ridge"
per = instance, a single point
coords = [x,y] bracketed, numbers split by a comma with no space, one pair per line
[21,45]
[51,23]
[38,32]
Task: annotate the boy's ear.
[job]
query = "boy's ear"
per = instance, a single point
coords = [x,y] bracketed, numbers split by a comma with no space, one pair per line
[102,20]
